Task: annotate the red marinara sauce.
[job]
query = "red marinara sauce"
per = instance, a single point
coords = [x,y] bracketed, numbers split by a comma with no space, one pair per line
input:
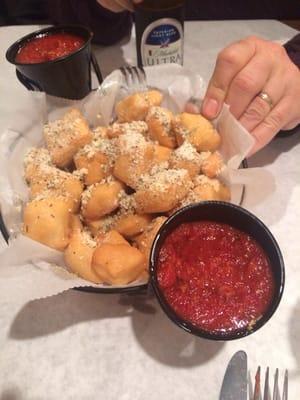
[215,276]
[48,47]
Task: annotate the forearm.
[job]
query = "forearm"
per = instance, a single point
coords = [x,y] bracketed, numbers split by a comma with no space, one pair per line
[108,27]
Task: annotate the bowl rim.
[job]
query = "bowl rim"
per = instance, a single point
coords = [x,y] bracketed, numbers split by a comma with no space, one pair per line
[14,47]
[188,326]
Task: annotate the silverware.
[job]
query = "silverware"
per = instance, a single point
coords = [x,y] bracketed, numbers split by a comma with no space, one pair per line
[234,386]
[134,79]
[267,392]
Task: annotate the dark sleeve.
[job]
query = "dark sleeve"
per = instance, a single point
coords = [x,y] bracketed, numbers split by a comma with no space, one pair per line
[293,49]
[108,27]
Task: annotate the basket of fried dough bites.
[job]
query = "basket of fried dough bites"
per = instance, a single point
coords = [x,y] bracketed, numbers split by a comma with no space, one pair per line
[100,195]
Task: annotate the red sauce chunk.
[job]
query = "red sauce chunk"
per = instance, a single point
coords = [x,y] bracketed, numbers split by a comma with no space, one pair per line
[48,47]
[215,276]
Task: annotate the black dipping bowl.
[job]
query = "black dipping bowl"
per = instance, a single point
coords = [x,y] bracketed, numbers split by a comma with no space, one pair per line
[68,76]
[236,217]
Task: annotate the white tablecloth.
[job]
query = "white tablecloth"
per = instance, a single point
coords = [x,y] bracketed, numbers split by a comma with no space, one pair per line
[89,346]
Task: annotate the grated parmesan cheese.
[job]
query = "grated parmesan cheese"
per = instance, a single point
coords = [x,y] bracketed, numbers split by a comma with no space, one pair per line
[161,115]
[132,142]
[180,129]
[80,173]
[161,180]
[127,204]
[99,132]
[38,156]
[87,238]
[108,223]
[187,152]
[62,132]
[107,180]
[204,180]
[129,127]
[103,145]
[87,194]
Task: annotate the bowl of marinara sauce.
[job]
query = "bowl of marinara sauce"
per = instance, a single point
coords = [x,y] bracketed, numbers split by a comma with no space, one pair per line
[217,270]
[56,60]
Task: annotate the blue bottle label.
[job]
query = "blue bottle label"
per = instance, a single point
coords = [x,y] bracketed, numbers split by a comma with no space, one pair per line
[162,42]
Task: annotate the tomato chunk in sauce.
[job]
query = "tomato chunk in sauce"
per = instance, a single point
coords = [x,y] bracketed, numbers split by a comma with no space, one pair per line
[215,276]
[48,47]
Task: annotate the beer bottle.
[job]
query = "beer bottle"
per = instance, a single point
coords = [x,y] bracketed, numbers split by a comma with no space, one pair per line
[159,31]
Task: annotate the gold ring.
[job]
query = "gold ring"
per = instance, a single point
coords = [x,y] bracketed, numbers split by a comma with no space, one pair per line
[265,97]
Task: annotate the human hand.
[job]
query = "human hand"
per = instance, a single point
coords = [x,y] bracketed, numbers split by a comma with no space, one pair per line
[246,69]
[118,5]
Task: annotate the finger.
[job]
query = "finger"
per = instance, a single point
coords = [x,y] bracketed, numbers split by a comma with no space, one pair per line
[258,109]
[247,83]
[271,125]
[291,125]
[229,62]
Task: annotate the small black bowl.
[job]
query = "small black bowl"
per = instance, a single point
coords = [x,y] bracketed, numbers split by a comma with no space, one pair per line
[238,218]
[68,76]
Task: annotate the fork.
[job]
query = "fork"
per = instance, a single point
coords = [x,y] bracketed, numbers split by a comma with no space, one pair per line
[267,393]
[134,78]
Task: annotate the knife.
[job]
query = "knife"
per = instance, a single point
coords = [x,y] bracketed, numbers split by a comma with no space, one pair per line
[234,386]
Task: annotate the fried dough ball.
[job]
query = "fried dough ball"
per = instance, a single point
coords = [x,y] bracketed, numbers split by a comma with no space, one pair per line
[159,122]
[76,223]
[97,158]
[64,137]
[161,154]
[132,225]
[116,262]
[112,237]
[101,132]
[79,253]
[34,160]
[135,159]
[129,168]
[197,130]
[206,189]
[161,191]
[105,224]
[145,240]
[101,199]
[211,189]
[101,225]
[212,166]
[48,221]
[96,167]
[135,107]
[186,157]
[117,129]
[52,181]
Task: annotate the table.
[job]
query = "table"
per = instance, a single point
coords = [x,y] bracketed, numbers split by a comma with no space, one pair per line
[88,346]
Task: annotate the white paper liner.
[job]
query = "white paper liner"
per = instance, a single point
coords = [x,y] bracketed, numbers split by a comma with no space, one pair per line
[30,270]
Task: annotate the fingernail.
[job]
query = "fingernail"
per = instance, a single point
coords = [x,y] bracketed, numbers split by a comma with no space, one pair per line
[210,108]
